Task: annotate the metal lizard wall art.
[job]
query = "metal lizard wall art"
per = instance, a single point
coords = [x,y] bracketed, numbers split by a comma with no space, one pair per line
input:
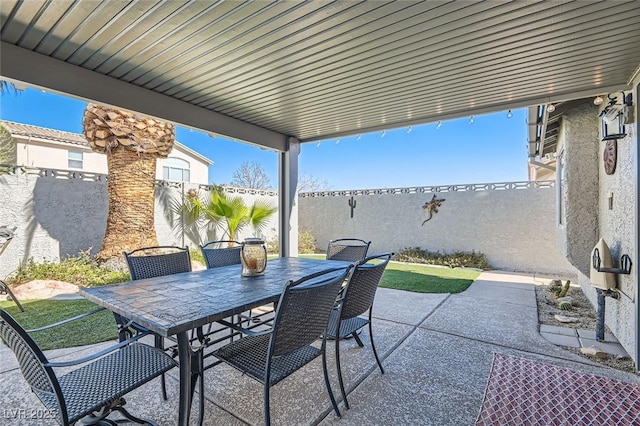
[432,207]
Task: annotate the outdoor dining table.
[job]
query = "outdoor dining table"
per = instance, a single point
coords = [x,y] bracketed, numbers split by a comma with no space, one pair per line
[173,305]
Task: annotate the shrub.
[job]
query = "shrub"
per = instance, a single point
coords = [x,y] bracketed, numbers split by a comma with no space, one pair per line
[80,270]
[273,245]
[306,243]
[196,255]
[452,260]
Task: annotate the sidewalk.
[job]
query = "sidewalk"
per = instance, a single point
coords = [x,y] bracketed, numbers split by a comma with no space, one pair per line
[437,351]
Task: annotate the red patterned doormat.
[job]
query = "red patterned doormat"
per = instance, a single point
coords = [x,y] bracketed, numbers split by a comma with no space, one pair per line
[523,392]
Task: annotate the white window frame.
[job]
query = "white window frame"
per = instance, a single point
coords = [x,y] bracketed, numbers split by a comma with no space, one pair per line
[174,165]
[73,162]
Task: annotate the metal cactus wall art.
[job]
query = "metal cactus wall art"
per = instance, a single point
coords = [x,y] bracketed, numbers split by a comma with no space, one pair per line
[352,204]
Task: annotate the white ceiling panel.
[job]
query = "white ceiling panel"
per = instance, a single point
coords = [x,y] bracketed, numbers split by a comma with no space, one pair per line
[265,71]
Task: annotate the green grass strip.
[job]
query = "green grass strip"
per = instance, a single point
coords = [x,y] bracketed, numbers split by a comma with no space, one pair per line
[427,279]
[95,328]
[423,278]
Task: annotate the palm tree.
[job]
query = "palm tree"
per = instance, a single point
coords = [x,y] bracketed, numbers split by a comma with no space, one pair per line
[231,214]
[6,87]
[132,144]
[7,144]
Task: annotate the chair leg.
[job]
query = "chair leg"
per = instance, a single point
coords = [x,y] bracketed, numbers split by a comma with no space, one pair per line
[159,344]
[130,416]
[326,378]
[267,409]
[340,380]
[373,346]
[357,338]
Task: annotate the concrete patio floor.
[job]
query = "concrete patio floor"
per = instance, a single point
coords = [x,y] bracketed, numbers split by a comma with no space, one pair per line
[437,351]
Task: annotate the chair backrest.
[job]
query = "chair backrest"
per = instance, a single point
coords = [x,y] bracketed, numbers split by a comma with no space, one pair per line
[304,310]
[221,253]
[361,289]
[41,378]
[164,260]
[349,249]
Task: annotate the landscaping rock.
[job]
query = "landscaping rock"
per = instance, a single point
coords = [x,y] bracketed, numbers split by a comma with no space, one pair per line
[46,289]
[566,319]
[594,352]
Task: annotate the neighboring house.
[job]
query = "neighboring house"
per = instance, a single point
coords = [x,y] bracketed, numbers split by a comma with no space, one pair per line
[55,149]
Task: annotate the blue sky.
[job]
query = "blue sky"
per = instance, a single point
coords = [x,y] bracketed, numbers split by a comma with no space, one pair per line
[491,149]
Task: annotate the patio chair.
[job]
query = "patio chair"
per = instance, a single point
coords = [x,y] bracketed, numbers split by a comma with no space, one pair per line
[301,318]
[224,253]
[349,249]
[356,299]
[152,262]
[95,390]
[221,253]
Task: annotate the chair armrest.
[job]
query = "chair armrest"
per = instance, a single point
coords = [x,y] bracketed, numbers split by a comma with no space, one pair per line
[98,354]
[243,330]
[68,320]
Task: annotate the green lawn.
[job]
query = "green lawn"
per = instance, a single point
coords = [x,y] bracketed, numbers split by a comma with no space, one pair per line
[101,327]
[427,279]
[95,328]
[422,278]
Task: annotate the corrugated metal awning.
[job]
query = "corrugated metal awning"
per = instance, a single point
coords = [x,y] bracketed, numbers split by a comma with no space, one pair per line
[263,71]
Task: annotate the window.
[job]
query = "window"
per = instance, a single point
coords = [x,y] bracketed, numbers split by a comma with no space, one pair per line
[175,169]
[74,160]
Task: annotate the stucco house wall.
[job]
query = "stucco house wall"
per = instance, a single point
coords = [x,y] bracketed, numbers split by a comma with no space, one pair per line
[590,215]
[579,142]
[199,169]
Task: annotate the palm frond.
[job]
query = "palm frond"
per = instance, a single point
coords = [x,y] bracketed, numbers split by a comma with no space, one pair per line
[260,213]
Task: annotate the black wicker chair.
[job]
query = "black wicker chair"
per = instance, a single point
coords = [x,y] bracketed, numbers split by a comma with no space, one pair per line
[349,249]
[224,253]
[96,389]
[301,318]
[356,299]
[150,262]
[221,253]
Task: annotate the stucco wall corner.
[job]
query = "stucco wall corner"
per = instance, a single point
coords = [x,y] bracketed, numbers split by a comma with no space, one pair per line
[579,131]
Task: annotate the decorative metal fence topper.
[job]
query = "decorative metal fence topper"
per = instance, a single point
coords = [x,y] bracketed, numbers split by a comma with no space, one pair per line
[432,207]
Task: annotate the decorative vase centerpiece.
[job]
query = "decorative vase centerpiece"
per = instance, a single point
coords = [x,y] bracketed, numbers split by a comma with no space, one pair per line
[253,256]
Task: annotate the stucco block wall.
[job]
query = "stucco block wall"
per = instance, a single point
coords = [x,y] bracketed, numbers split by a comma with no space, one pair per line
[515,229]
[55,217]
[59,217]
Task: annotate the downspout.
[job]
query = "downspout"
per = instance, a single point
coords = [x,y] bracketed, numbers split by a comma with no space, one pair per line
[636,182]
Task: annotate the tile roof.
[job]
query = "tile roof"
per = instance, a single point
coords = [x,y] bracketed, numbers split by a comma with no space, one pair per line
[28,130]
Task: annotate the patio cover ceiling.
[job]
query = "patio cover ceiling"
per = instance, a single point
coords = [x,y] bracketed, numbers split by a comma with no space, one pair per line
[265,71]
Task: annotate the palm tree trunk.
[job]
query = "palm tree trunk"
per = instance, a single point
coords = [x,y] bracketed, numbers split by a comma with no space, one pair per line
[131,191]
